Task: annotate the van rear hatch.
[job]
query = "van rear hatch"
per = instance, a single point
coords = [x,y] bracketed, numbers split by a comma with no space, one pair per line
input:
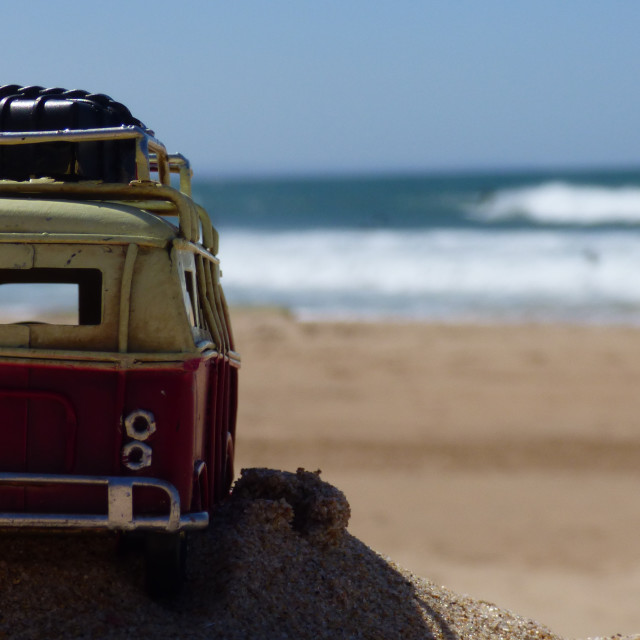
[42,408]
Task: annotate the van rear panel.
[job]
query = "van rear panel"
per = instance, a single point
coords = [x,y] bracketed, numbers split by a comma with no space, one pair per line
[70,420]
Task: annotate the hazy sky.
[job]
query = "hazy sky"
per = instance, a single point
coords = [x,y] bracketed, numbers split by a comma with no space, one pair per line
[285,86]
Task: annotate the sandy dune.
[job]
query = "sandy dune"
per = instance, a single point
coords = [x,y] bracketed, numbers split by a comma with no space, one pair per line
[276,562]
[502,462]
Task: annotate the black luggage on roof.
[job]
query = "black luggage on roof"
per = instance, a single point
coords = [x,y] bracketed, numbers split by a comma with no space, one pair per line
[31,109]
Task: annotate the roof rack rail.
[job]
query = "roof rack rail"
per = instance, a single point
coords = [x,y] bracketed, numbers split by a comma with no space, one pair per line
[56,143]
[177,164]
[151,154]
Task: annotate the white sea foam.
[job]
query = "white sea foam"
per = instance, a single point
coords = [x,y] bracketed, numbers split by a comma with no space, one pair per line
[442,275]
[563,203]
[446,274]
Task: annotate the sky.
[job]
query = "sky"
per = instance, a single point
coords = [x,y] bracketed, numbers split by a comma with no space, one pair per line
[295,87]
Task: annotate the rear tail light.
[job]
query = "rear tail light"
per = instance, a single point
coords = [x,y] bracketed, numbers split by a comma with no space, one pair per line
[140,424]
[136,455]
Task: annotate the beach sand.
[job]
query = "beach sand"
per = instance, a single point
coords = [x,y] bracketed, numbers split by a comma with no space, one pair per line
[276,562]
[500,461]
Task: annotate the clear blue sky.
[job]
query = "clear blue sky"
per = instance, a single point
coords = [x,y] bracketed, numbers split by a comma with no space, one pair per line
[297,86]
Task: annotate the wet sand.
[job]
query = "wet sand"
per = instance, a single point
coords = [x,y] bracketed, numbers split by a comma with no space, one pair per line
[502,462]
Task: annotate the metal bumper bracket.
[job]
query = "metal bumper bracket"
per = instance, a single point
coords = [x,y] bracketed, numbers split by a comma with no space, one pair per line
[119,512]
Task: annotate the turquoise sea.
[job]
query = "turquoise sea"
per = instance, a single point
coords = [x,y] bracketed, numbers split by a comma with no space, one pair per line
[485,247]
[488,247]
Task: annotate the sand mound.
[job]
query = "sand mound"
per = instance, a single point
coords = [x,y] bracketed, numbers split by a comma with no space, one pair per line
[277,562]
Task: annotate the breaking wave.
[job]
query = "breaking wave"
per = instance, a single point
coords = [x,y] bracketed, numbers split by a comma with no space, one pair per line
[439,274]
[562,203]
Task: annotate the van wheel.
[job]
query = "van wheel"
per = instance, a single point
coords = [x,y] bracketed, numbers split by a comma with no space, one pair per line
[165,563]
[129,542]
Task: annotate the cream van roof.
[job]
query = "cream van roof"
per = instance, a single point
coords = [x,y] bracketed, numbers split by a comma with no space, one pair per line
[39,220]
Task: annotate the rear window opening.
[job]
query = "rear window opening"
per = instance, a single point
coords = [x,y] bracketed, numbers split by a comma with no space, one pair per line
[54,296]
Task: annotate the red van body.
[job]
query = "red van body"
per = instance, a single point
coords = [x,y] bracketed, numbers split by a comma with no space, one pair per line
[119,415]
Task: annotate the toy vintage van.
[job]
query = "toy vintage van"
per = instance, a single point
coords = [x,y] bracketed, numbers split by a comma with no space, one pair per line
[120,415]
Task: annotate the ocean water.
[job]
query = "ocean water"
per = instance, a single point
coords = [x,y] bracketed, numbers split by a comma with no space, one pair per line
[503,247]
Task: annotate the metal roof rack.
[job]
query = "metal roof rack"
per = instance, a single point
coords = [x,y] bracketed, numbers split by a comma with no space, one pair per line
[151,156]
[146,144]
[177,164]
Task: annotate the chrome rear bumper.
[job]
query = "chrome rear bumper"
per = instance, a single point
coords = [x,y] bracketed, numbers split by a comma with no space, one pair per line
[118,514]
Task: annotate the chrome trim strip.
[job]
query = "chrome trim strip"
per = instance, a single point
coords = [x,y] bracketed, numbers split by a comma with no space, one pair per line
[103,358]
[79,238]
[119,516]
[74,135]
[184,245]
[125,297]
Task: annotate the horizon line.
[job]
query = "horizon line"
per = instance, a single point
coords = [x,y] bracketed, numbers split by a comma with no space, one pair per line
[363,174]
